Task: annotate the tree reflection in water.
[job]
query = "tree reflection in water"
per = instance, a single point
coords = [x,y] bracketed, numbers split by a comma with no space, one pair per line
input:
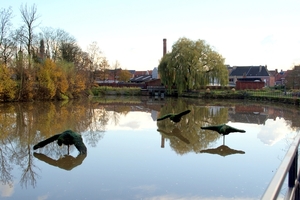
[190,125]
[176,133]
[25,124]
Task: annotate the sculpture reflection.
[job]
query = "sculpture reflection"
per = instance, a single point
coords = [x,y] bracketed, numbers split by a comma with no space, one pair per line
[222,150]
[176,133]
[67,162]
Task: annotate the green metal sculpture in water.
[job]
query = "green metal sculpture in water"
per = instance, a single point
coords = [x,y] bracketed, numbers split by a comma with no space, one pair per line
[68,138]
[174,117]
[223,129]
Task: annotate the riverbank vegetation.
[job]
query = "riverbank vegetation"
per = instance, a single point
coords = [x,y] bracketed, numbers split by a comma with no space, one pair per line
[265,94]
[44,63]
[107,90]
[50,65]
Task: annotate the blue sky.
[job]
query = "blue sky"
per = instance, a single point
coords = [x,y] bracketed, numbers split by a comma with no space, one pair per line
[256,32]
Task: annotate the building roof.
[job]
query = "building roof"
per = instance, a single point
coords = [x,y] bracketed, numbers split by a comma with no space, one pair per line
[249,79]
[141,79]
[249,71]
[131,71]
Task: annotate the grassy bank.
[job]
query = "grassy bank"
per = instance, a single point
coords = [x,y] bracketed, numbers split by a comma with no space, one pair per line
[107,90]
[270,95]
[266,94]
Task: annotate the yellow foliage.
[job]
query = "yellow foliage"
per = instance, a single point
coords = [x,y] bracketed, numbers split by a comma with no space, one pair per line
[52,79]
[79,84]
[62,83]
[47,78]
[124,75]
[7,85]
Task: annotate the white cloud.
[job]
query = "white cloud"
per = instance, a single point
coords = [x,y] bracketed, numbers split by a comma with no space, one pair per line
[133,121]
[6,190]
[274,131]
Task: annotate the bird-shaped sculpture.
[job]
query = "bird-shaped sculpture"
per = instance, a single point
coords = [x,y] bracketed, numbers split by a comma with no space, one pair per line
[174,117]
[68,138]
[223,129]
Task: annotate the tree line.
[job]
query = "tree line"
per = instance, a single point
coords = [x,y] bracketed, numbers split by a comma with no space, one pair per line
[45,64]
[49,63]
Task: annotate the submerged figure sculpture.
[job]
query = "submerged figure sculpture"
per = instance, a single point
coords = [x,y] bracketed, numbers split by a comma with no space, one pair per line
[174,117]
[223,129]
[68,138]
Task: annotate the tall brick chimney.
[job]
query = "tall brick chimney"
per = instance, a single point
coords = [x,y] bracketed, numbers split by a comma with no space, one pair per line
[164,47]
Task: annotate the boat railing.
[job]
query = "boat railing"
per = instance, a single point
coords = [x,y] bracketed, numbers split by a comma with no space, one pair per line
[288,167]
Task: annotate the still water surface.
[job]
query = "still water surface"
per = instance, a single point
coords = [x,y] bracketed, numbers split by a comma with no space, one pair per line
[132,156]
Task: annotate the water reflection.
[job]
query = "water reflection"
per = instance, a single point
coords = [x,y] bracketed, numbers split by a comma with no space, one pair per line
[222,150]
[176,133]
[66,162]
[23,125]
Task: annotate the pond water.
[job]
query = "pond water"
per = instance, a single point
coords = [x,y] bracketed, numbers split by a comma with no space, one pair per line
[130,155]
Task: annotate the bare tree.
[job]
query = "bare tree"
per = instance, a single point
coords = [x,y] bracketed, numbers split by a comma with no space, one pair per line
[29,17]
[117,69]
[47,35]
[56,41]
[95,56]
[6,43]
[5,24]
[104,67]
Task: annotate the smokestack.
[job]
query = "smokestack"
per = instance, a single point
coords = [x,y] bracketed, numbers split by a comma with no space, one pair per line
[162,143]
[164,47]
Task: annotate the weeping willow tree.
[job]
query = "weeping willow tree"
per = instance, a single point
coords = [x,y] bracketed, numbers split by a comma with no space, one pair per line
[192,64]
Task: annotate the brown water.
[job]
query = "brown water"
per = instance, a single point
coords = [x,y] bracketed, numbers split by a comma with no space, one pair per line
[132,156]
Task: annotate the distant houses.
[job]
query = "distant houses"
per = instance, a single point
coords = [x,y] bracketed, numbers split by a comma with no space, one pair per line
[112,76]
[141,76]
[144,76]
[240,77]
[256,74]
[280,77]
